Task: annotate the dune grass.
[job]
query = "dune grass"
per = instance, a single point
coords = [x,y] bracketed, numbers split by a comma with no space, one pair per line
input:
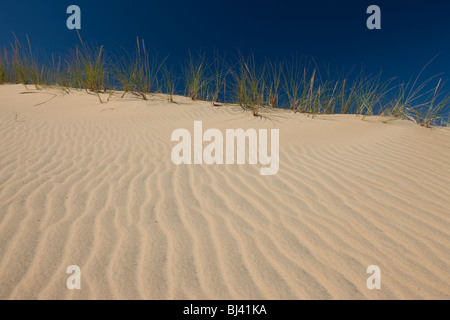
[195,76]
[4,74]
[273,82]
[170,82]
[250,86]
[297,84]
[217,81]
[25,65]
[433,110]
[421,101]
[139,73]
[86,69]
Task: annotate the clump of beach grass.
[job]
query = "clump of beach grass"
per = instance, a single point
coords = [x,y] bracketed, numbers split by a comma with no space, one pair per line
[433,110]
[26,68]
[169,80]
[298,80]
[422,102]
[217,83]
[86,69]
[195,76]
[297,84]
[249,84]
[272,85]
[139,72]
[4,72]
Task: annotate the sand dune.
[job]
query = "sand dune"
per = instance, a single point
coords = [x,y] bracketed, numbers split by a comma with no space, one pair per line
[93,185]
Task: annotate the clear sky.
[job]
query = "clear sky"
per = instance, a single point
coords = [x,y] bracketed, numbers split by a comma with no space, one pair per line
[332,31]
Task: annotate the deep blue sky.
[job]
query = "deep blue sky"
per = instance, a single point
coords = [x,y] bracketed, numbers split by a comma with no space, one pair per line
[332,31]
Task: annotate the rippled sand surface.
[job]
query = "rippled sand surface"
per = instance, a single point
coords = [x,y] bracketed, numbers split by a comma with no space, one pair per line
[93,185]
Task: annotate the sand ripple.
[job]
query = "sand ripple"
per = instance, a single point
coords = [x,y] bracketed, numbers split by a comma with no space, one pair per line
[93,185]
